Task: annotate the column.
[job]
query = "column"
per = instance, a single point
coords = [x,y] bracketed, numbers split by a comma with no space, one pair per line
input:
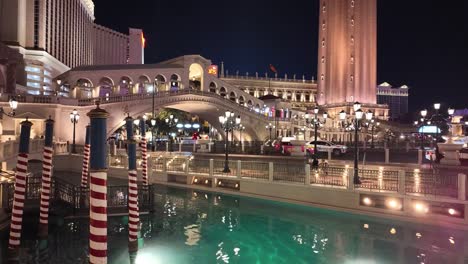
[19,192]
[98,187]
[46,177]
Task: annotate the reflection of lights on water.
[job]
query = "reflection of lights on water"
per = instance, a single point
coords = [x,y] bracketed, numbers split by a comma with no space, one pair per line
[146,257]
[236,251]
[452,240]
[206,196]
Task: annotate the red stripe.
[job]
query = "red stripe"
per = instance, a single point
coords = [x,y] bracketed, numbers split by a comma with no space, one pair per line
[98,181]
[98,210]
[98,253]
[98,195]
[97,223]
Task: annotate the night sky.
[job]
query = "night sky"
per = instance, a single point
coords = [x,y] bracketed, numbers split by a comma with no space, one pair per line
[423,44]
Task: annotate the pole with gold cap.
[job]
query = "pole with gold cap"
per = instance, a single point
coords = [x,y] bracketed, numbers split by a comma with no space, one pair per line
[19,192]
[98,187]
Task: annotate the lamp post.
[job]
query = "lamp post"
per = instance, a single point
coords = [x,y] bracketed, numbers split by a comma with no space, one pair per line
[315,122]
[171,122]
[13,105]
[241,128]
[228,122]
[356,123]
[74,117]
[270,127]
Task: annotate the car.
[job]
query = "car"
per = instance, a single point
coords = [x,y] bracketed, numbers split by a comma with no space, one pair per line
[325,146]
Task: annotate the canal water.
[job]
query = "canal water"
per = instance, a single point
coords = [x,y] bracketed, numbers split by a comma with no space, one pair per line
[189,226]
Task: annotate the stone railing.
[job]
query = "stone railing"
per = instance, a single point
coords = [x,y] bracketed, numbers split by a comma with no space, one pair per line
[273,78]
[9,149]
[414,193]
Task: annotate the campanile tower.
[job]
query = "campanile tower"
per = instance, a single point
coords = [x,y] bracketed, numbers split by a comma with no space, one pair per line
[347,59]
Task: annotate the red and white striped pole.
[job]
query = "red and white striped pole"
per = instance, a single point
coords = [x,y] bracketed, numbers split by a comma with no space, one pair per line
[144,161]
[98,187]
[144,153]
[20,191]
[85,169]
[133,215]
[46,178]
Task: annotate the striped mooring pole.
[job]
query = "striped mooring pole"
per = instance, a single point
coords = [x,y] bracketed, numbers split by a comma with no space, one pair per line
[46,179]
[133,215]
[19,192]
[144,152]
[98,187]
[85,169]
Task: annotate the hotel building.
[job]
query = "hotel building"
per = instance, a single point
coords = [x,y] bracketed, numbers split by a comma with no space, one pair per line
[56,35]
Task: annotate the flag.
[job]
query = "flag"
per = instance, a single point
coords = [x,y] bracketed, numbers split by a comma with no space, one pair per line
[273,69]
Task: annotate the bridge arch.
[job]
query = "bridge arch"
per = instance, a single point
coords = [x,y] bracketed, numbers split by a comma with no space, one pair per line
[196,76]
[206,107]
[233,96]
[175,82]
[83,88]
[141,86]
[125,85]
[162,85]
[213,87]
[222,91]
[105,87]
[241,100]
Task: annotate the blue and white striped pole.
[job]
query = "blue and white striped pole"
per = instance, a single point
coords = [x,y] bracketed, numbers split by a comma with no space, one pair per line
[46,179]
[98,187]
[20,191]
[133,215]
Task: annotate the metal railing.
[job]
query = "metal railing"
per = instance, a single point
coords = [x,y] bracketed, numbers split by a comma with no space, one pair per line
[333,176]
[74,197]
[429,182]
[289,173]
[255,170]
[381,180]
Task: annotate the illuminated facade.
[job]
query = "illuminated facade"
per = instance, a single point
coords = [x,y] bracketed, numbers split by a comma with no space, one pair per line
[395,97]
[55,35]
[347,58]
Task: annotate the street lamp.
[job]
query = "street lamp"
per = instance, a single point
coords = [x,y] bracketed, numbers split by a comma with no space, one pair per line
[171,122]
[74,116]
[13,105]
[358,116]
[228,122]
[241,128]
[315,122]
[270,127]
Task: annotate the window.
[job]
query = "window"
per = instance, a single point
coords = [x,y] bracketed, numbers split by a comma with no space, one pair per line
[323,59]
[323,25]
[32,69]
[352,40]
[352,21]
[322,77]
[323,42]
[34,77]
[33,84]
[324,8]
[352,3]
[352,59]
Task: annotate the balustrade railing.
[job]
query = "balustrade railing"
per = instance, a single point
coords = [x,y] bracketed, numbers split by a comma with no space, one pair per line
[375,180]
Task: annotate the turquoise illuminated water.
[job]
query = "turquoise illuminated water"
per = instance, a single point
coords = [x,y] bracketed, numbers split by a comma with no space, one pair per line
[198,227]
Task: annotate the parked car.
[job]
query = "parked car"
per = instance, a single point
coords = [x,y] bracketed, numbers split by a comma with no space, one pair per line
[325,146]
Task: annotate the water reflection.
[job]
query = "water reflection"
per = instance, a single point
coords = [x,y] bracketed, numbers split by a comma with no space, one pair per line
[198,227]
